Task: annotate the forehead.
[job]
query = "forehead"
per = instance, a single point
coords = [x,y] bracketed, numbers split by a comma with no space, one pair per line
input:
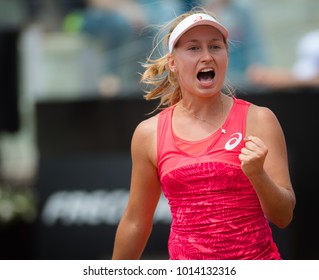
[202,32]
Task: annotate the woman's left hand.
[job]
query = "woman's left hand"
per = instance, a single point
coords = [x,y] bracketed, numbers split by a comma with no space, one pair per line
[253,156]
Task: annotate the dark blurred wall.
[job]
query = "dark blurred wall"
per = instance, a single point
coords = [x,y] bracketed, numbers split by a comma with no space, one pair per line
[9,115]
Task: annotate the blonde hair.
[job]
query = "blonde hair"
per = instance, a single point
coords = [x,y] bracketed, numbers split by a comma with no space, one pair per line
[157,76]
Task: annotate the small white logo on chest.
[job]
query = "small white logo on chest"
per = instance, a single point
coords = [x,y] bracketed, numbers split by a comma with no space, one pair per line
[234,140]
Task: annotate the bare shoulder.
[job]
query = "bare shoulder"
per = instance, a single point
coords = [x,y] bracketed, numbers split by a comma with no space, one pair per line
[144,140]
[261,113]
[147,128]
[261,120]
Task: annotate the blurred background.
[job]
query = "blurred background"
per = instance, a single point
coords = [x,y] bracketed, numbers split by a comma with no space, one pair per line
[71,98]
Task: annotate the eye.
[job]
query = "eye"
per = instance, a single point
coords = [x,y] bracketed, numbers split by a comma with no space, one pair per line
[214,47]
[193,48]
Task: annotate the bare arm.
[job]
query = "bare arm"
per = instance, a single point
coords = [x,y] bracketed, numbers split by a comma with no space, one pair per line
[264,160]
[136,224]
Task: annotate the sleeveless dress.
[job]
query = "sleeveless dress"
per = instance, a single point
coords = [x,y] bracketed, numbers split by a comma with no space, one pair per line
[215,211]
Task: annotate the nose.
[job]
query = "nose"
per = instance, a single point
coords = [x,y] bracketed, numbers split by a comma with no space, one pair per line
[206,55]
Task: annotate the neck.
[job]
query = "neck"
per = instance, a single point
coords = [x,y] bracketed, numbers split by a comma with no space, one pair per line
[214,114]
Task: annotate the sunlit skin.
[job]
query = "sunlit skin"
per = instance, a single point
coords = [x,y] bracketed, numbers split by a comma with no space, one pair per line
[200,48]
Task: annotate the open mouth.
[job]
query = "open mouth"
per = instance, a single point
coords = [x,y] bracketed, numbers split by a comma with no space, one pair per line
[206,75]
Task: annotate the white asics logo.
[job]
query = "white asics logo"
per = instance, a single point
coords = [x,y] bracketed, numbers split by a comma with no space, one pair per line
[233,141]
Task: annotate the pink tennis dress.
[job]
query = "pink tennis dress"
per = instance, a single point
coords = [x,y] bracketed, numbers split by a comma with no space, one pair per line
[215,211]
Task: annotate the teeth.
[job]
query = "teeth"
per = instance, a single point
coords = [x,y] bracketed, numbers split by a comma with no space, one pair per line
[207,70]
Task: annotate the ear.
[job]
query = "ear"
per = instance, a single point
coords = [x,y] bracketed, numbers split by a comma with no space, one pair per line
[171,63]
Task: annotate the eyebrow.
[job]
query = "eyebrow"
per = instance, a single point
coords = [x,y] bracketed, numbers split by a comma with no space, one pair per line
[211,40]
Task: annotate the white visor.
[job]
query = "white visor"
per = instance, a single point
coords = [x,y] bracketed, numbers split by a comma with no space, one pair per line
[192,21]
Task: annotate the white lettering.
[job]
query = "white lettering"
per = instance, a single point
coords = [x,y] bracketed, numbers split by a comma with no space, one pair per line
[98,207]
